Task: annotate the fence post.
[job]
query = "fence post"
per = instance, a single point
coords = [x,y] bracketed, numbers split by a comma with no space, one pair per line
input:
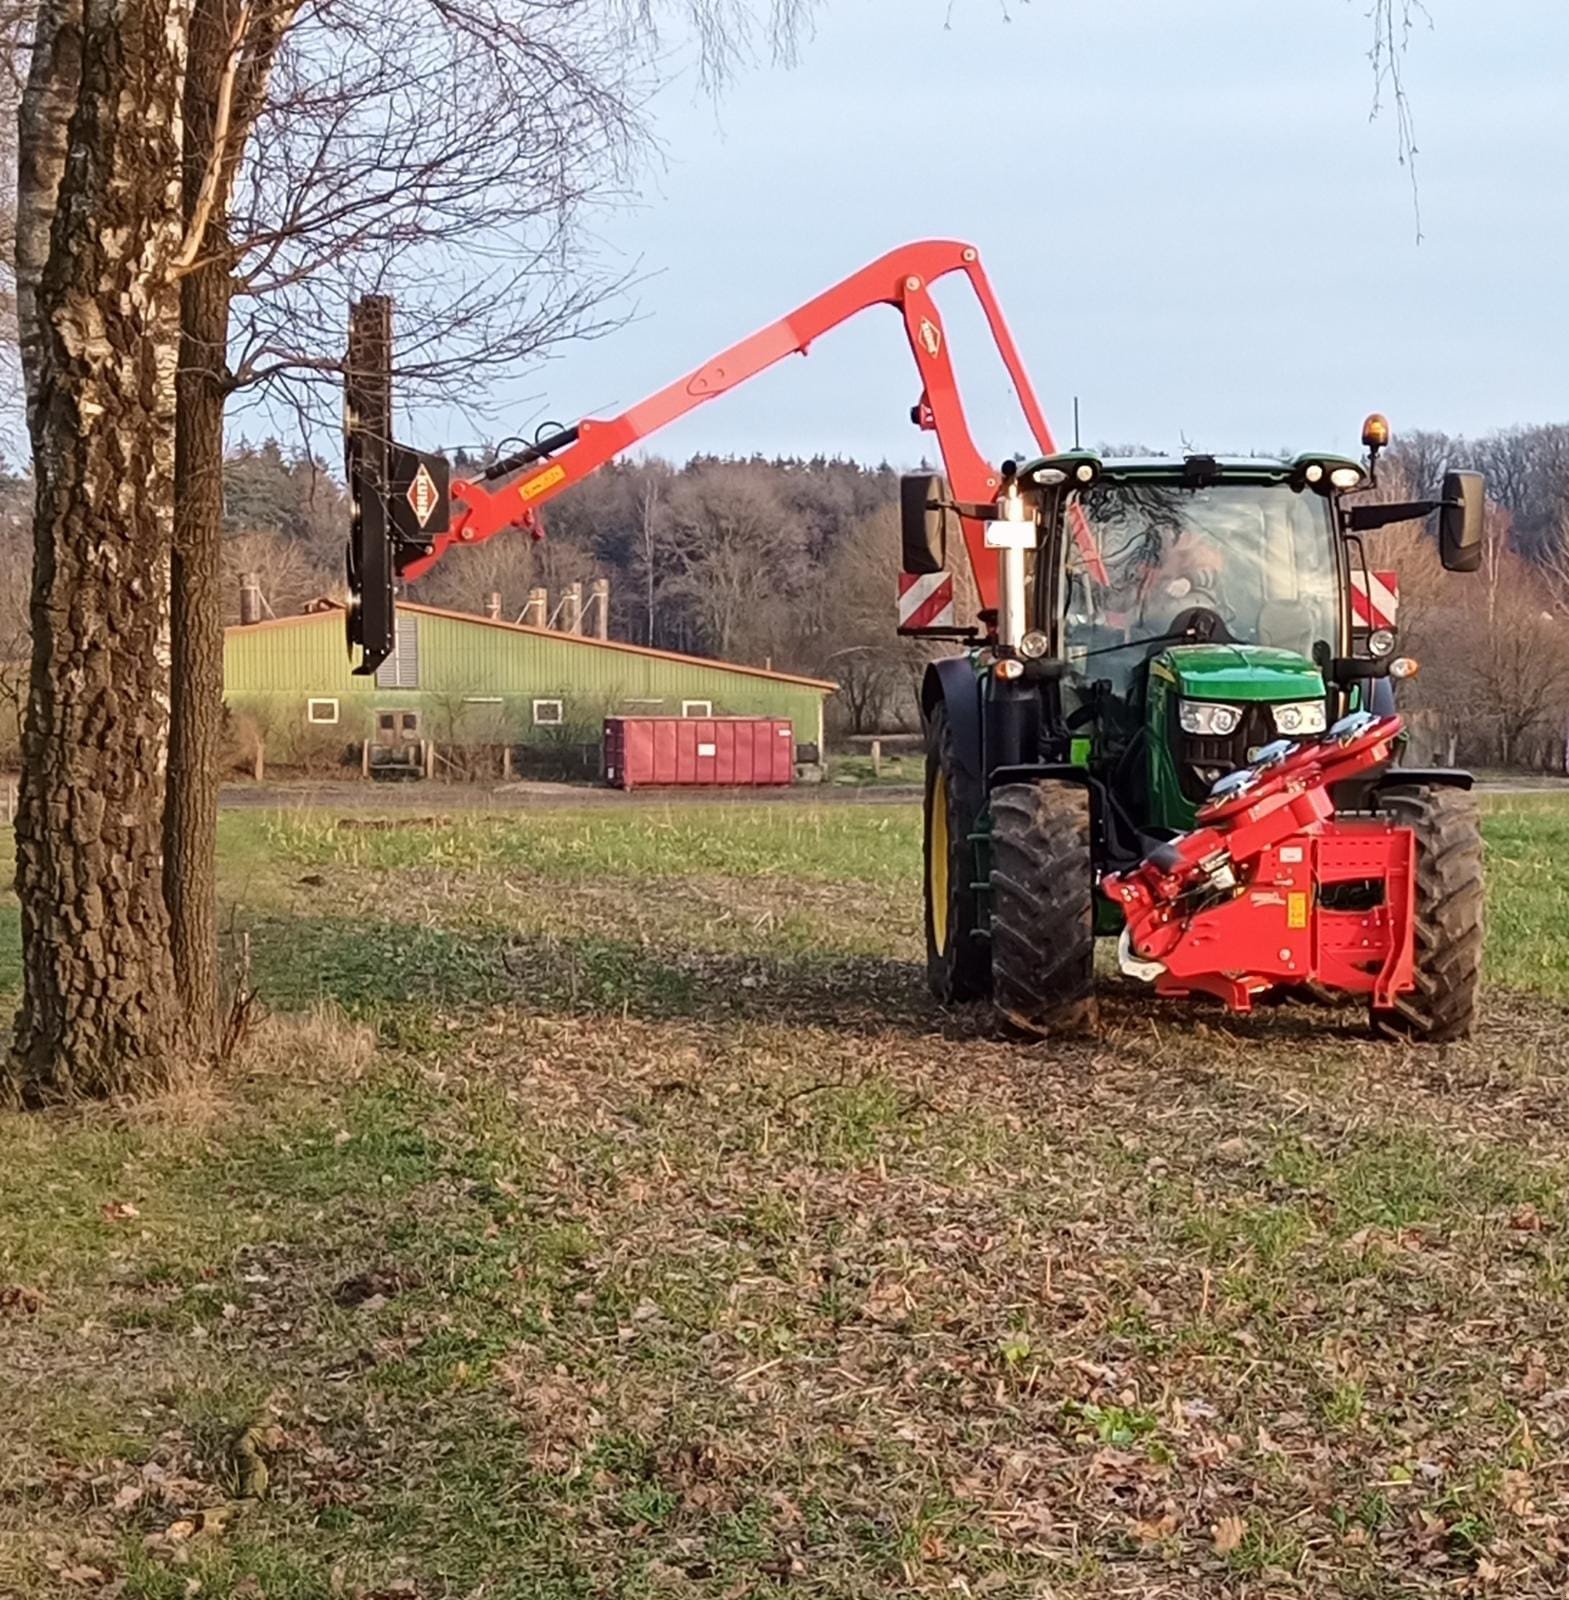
[877,758]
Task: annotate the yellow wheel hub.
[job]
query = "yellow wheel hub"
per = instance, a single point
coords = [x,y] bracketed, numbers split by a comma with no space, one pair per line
[937,861]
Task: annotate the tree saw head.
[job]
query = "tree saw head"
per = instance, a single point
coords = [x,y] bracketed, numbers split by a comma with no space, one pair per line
[399,498]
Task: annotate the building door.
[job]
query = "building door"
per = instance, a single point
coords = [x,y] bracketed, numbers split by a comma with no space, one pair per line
[397,730]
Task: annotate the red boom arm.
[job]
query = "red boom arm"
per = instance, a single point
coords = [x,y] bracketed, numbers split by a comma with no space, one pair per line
[483,507]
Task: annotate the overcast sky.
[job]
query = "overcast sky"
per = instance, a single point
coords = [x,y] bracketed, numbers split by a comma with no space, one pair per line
[1190,220]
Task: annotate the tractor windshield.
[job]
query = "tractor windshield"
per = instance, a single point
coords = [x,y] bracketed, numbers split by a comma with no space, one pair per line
[1259,557]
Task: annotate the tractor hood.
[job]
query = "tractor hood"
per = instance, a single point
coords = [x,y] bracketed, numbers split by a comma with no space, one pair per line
[1238,672]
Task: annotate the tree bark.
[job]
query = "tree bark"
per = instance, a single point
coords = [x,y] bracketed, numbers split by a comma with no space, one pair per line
[99,1011]
[190,827]
[53,76]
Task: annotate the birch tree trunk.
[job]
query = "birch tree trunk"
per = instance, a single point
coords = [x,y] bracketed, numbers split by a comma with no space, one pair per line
[99,1011]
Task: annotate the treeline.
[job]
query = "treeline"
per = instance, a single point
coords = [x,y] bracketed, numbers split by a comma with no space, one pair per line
[792,563]
[1493,647]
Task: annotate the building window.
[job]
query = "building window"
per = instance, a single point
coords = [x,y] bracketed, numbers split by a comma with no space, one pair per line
[547,714]
[321,710]
[697,708]
[642,708]
[482,700]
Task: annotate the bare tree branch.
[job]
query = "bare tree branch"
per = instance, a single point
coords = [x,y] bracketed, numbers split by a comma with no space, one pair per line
[220,159]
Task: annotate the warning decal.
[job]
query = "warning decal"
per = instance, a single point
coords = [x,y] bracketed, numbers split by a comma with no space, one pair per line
[542,481]
[1375,598]
[925,601]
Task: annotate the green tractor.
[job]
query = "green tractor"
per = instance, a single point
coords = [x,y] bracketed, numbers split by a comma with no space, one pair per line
[1161,626]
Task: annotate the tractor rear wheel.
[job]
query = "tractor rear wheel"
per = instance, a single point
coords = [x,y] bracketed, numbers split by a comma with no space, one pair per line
[1042,907]
[1449,905]
[957,966]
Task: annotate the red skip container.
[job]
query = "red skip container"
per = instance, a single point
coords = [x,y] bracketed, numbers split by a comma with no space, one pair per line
[717,752]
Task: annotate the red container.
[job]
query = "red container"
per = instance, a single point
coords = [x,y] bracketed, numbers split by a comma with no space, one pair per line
[713,752]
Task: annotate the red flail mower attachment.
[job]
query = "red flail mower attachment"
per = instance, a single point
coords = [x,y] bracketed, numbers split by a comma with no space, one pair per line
[1272,888]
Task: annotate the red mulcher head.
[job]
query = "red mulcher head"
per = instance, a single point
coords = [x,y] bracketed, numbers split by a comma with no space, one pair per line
[1239,905]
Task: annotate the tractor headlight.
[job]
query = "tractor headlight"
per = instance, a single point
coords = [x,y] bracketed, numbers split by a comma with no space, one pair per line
[1034,645]
[1208,717]
[1300,716]
[1380,642]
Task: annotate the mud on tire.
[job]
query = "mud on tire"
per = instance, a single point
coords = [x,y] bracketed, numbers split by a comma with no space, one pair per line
[1042,907]
[1449,913]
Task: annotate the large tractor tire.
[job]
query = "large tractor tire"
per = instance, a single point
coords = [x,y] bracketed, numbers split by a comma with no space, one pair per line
[1042,907]
[1449,906]
[958,967]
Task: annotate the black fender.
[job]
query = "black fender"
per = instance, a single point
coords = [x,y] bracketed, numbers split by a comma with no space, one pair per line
[1116,844]
[952,683]
[1361,793]
[1423,777]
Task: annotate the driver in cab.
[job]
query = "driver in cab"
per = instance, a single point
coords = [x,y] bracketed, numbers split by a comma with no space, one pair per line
[1187,575]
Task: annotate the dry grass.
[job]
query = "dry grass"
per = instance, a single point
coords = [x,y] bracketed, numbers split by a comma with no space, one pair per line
[673,1245]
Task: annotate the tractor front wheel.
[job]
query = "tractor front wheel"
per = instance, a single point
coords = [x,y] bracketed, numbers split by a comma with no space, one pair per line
[1449,906]
[957,968]
[1042,907]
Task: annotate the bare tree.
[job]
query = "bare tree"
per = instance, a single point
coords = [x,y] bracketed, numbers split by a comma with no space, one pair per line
[441,151]
[99,1013]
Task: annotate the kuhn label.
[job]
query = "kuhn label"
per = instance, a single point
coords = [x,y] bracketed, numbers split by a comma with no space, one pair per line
[423,495]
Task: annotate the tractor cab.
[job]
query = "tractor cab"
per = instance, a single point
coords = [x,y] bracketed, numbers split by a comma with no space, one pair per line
[1196,610]
[1193,605]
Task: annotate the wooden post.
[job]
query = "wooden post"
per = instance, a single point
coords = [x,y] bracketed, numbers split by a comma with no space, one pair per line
[507,769]
[259,766]
[430,758]
[877,758]
[364,758]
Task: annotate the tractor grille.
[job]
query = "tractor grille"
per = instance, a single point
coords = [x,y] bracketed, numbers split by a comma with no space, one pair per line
[1200,761]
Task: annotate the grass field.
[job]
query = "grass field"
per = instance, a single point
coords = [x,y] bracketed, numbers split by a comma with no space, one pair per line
[603,1210]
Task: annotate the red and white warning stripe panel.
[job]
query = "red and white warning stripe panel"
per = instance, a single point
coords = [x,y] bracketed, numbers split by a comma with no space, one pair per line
[1375,598]
[925,601]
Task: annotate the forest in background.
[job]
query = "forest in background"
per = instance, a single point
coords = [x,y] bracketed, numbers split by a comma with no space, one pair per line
[791,563]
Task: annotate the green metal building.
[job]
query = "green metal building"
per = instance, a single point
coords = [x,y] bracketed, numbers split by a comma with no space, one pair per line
[462,680]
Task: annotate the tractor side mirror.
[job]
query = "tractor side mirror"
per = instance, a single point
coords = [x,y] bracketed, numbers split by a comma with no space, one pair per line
[926,516]
[1461,527]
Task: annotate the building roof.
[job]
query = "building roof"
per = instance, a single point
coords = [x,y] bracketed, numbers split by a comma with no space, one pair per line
[320,608]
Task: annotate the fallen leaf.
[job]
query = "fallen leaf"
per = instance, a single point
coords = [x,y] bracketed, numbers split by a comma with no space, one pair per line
[15,1298]
[82,1575]
[1228,1533]
[119,1211]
